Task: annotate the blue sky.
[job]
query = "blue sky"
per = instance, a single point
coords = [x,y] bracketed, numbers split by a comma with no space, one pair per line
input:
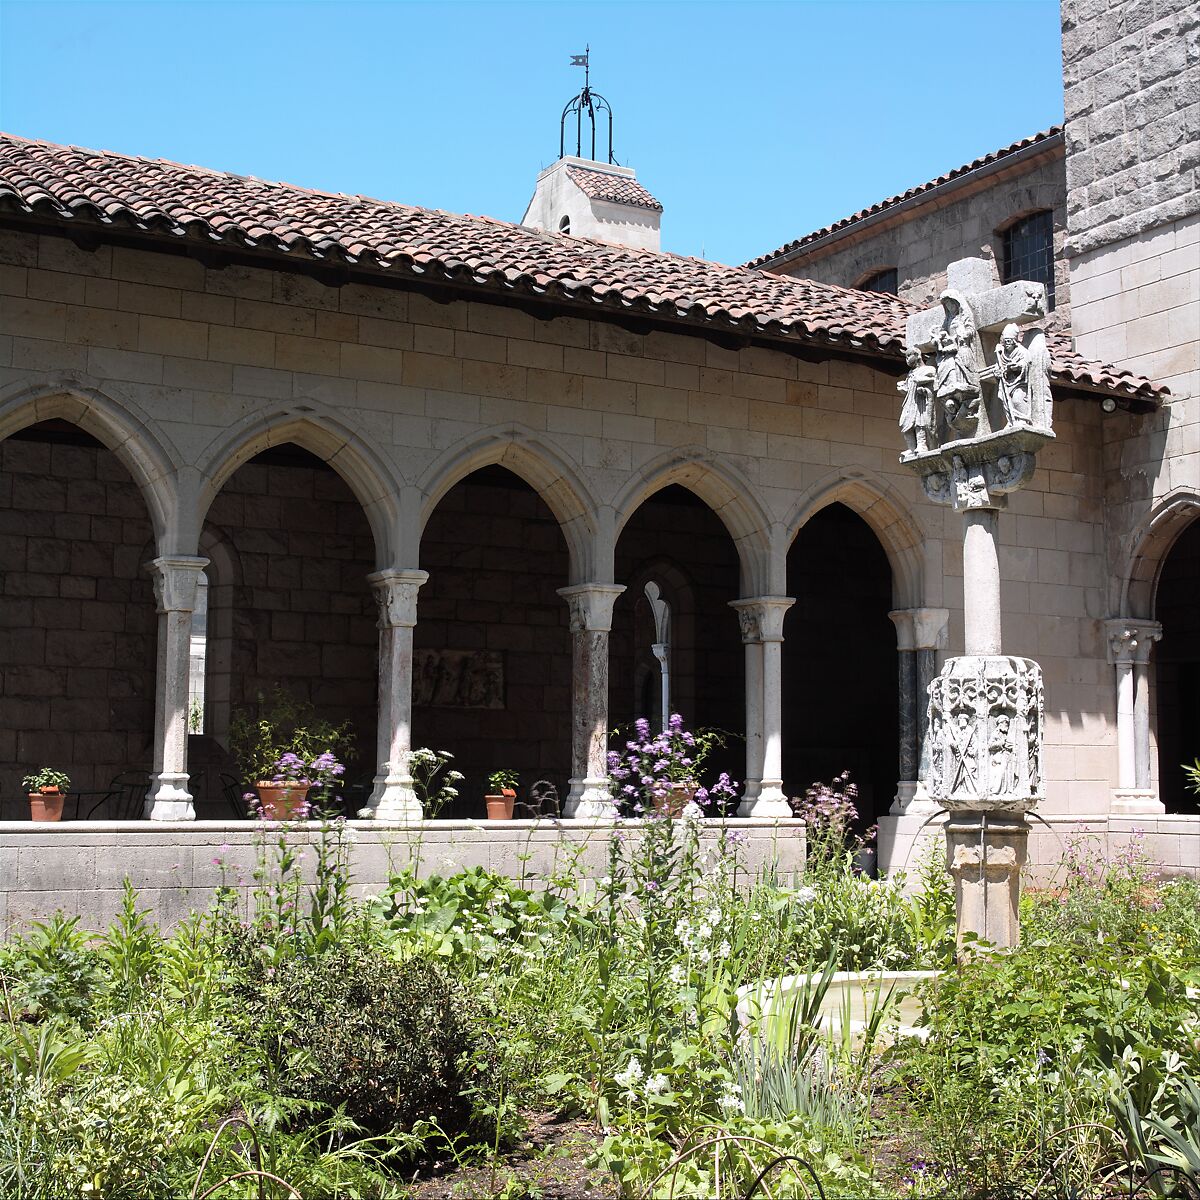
[753,123]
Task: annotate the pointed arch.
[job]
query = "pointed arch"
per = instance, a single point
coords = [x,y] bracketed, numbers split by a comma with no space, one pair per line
[884,511]
[724,489]
[314,428]
[122,428]
[1148,547]
[544,468]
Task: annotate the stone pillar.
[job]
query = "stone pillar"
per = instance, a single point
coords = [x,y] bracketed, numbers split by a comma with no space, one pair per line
[393,798]
[1129,644]
[591,621]
[175,581]
[761,619]
[985,853]
[920,633]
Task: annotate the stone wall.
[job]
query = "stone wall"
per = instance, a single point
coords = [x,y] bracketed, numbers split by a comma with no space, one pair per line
[1131,76]
[406,396]
[922,241]
[77,622]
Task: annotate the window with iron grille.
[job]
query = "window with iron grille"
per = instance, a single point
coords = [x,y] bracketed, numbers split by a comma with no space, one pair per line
[881,281]
[1029,252]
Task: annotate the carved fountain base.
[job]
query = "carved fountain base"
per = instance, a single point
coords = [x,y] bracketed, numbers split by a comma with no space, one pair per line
[985,854]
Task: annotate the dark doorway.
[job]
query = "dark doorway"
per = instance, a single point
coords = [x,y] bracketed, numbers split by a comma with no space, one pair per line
[1177,670]
[840,676]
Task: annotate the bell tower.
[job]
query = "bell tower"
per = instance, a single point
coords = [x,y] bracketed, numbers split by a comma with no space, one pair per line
[586,197]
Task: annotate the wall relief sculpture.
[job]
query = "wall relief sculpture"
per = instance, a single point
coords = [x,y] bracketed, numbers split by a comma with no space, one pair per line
[458,678]
[985,734]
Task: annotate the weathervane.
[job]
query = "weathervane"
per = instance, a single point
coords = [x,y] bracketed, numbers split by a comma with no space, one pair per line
[589,101]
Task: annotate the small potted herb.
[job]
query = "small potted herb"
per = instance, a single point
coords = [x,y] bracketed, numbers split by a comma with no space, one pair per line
[46,788]
[502,796]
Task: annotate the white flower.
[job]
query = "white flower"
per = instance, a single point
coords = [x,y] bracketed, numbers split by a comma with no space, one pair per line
[656,1085]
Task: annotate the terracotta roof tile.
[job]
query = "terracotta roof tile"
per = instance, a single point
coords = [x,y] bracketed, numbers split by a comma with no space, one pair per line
[892,201]
[600,185]
[184,204]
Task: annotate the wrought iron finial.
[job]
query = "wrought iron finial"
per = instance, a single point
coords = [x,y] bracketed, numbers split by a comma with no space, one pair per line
[589,102]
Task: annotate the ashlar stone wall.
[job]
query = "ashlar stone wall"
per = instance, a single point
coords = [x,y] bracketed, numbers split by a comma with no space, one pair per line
[920,242]
[199,369]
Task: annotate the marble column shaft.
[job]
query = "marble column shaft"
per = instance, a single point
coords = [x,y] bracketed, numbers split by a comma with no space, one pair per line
[761,619]
[175,582]
[393,797]
[591,607]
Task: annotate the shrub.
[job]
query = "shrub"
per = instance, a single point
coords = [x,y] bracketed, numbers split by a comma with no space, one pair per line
[353,1028]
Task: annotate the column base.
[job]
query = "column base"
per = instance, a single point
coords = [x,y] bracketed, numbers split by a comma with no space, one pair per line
[393,798]
[168,798]
[1128,802]
[589,800]
[749,797]
[984,855]
[770,802]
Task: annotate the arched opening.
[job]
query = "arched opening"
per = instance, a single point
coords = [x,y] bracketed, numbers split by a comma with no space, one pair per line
[289,608]
[492,647]
[840,673]
[78,617]
[1177,670]
[676,541]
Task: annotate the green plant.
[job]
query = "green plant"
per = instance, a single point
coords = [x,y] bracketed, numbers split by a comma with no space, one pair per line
[498,781]
[284,725]
[434,780]
[357,1031]
[46,778]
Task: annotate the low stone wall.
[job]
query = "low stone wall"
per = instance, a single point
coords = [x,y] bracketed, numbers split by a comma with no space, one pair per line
[80,866]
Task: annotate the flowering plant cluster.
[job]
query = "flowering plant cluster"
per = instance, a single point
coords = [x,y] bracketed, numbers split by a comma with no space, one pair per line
[643,774]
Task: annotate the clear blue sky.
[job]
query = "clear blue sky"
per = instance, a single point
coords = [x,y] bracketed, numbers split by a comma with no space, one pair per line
[753,123]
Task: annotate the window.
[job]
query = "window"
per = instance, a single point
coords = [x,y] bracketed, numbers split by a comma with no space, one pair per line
[564,225]
[1028,252]
[881,281]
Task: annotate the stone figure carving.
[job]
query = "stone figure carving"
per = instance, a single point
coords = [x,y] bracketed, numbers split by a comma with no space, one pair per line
[957,370]
[916,414]
[985,721]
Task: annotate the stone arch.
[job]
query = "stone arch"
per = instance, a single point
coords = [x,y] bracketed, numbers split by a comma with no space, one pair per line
[542,467]
[1149,545]
[724,489]
[317,430]
[121,428]
[887,515]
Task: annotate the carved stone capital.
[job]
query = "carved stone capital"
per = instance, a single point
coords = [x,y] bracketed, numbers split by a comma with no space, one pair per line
[1130,640]
[921,628]
[175,582]
[396,596]
[591,605]
[985,734]
[761,617]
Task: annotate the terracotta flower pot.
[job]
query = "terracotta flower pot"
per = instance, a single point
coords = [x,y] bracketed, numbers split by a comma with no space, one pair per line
[675,799]
[500,808]
[46,805]
[282,801]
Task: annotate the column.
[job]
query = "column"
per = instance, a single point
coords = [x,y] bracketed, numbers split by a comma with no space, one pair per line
[1129,644]
[175,580]
[920,634]
[393,797]
[591,607]
[761,619]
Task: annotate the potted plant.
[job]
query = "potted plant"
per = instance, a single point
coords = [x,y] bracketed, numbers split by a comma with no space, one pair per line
[284,750]
[46,788]
[284,797]
[503,795]
[661,772]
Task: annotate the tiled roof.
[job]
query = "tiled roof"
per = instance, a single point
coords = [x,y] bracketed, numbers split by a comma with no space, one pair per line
[600,185]
[987,160]
[192,205]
